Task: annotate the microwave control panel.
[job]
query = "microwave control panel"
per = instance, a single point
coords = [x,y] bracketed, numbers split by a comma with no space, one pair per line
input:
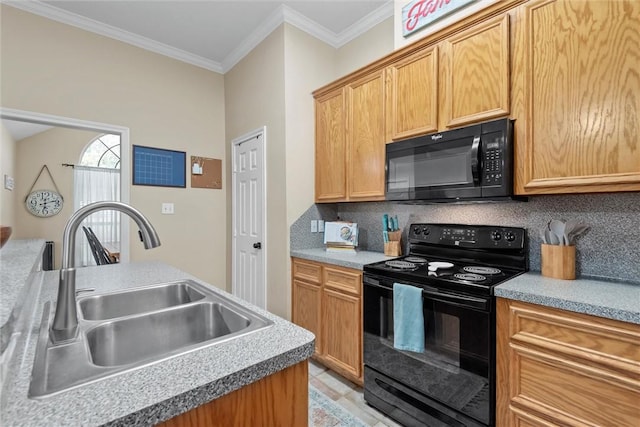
[493,159]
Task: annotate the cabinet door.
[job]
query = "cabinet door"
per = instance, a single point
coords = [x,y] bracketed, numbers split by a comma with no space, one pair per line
[475,73]
[331,154]
[366,138]
[580,78]
[306,308]
[412,95]
[342,332]
[555,367]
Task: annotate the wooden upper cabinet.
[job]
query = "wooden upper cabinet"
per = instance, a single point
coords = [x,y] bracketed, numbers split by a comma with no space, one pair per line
[475,73]
[462,80]
[331,154]
[366,138]
[412,95]
[578,71]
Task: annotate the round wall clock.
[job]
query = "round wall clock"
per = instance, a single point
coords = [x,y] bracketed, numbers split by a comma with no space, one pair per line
[44,203]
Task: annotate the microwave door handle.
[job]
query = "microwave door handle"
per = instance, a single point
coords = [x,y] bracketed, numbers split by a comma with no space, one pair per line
[475,148]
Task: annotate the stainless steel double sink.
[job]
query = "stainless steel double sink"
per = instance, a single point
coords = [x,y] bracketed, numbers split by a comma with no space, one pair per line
[125,330]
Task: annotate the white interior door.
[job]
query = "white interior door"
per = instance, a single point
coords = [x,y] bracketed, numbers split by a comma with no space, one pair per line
[249,234]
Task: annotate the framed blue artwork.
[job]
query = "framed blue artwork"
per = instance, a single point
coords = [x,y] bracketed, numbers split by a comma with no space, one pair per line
[159,167]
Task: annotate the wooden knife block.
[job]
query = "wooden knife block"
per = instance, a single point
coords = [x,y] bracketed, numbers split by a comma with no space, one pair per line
[558,262]
[394,246]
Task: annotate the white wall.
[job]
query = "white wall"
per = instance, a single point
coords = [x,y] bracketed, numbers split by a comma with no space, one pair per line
[52,68]
[7,167]
[52,148]
[309,64]
[255,97]
[369,47]
[57,69]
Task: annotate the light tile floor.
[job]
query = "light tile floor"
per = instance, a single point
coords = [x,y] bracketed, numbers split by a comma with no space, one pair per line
[346,394]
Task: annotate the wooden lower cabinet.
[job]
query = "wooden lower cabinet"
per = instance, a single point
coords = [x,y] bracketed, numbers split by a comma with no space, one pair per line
[281,399]
[327,300]
[558,368]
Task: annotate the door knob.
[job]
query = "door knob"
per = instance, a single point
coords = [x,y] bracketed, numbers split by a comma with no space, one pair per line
[257,245]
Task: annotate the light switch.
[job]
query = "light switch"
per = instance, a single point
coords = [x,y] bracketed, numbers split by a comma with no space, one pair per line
[167,208]
[8,182]
[314,226]
[320,226]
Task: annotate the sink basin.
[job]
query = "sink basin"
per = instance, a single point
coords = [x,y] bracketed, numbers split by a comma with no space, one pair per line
[126,330]
[140,300]
[138,338]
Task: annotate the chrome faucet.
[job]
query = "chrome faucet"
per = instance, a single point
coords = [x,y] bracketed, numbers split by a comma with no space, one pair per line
[65,322]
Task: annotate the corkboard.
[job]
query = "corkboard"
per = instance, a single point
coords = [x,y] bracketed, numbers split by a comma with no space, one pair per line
[211,176]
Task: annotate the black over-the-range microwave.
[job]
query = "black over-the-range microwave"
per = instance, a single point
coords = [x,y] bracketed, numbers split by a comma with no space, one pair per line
[473,163]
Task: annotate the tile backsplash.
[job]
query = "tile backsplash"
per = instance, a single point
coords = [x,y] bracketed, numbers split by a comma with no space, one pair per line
[609,250]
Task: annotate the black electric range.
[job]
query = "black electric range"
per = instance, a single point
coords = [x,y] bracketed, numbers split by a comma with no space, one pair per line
[463,258]
[448,378]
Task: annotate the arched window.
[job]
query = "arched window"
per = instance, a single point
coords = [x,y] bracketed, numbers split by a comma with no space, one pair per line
[97,178]
[102,152]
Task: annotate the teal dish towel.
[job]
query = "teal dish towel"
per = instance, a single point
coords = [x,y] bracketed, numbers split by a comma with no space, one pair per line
[408,320]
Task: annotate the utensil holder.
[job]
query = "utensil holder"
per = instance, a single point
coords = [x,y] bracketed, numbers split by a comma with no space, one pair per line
[558,262]
[394,246]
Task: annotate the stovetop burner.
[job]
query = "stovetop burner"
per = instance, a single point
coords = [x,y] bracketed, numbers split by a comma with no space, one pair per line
[482,270]
[400,265]
[470,276]
[415,259]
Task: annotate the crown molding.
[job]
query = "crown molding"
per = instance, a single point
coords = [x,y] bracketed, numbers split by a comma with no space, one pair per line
[298,20]
[88,24]
[279,16]
[256,37]
[365,24]
[309,26]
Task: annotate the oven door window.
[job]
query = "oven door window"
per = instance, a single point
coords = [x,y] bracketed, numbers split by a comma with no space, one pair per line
[453,369]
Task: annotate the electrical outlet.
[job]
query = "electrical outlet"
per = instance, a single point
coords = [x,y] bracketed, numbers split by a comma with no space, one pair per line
[167,208]
[320,226]
[314,226]
[8,182]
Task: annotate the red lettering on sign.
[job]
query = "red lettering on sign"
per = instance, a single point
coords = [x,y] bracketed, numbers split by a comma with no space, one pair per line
[422,9]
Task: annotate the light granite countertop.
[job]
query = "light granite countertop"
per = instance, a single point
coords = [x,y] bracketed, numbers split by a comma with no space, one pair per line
[18,258]
[611,300]
[156,392]
[350,260]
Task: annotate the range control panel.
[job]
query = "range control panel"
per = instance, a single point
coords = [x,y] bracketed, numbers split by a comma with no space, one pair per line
[471,236]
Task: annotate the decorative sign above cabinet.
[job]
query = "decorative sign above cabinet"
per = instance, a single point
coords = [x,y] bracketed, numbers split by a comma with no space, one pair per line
[420,13]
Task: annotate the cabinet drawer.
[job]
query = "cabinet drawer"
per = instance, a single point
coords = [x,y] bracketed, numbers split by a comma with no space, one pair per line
[343,279]
[550,385]
[599,342]
[307,270]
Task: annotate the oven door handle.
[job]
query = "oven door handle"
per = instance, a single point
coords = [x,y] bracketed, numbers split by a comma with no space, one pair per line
[459,300]
[475,161]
